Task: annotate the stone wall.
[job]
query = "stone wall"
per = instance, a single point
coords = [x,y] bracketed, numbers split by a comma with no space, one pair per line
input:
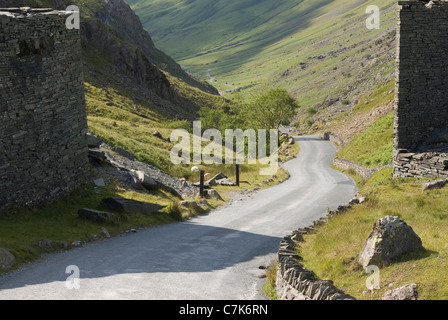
[294,282]
[421,101]
[364,172]
[43,144]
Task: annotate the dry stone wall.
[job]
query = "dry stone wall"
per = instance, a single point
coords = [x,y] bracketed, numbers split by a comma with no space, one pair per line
[421,101]
[43,144]
[294,282]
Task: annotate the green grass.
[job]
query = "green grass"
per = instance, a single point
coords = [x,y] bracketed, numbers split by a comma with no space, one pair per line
[22,229]
[269,288]
[374,146]
[332,251]
[258,42]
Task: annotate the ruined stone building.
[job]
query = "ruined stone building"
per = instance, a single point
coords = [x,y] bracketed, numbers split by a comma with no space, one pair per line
[421,101]
[43,147]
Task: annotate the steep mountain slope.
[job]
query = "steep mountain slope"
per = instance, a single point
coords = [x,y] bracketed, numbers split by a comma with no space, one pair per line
[128,95]
[115,43]
[321,51]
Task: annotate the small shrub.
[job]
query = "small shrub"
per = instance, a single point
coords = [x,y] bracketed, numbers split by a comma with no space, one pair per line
[311,111]
[175,212]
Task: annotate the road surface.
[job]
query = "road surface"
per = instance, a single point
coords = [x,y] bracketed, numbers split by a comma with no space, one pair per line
[212,257]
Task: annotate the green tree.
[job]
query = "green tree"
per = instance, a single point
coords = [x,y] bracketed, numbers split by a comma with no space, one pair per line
[268,110]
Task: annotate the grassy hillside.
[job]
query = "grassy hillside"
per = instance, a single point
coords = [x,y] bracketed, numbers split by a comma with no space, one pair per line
[332,251]
[315,49]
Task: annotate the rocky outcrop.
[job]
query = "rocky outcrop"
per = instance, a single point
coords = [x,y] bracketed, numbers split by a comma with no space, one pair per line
[117,48]
[139,175]
[390,239]
[125,59]
[118,15]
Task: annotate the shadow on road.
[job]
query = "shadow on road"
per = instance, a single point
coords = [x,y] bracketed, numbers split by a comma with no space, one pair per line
[181,247]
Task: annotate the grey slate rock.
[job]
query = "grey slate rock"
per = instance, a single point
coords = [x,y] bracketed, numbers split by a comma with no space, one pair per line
[131,206]
[7,259]
[407,292]
[93,141]
[145,180]
[96,216]
[124,153]
[390,239]
[46,245]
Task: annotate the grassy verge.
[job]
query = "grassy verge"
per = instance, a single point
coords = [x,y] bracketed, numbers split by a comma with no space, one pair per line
[369,148]
[269,288]
[332,251]
[21,230]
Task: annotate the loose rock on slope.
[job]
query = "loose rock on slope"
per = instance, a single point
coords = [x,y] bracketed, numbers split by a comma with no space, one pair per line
[390,239]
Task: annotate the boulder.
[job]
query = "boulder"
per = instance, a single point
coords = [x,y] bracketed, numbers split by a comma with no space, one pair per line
[438,184]
[190,204]
[99,182]
[96,216]
[184,183]
[77,243]
[97,156]
[7,259]
[407,292]
[145,180]
[212,194]
[219,176]
[46,245]
[389,239]
[131,206]
[93,141]
[213,181]
[226,182]
[204,204]
[105,233]
[63,244]
[291,140]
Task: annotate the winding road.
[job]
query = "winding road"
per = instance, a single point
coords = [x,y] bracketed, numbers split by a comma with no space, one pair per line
[212,257]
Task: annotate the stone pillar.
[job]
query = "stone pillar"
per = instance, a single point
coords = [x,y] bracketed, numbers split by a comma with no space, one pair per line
[421,100]
[43,144]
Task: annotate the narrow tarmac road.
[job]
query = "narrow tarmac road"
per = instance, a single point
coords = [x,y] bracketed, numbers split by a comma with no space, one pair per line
[212,257]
